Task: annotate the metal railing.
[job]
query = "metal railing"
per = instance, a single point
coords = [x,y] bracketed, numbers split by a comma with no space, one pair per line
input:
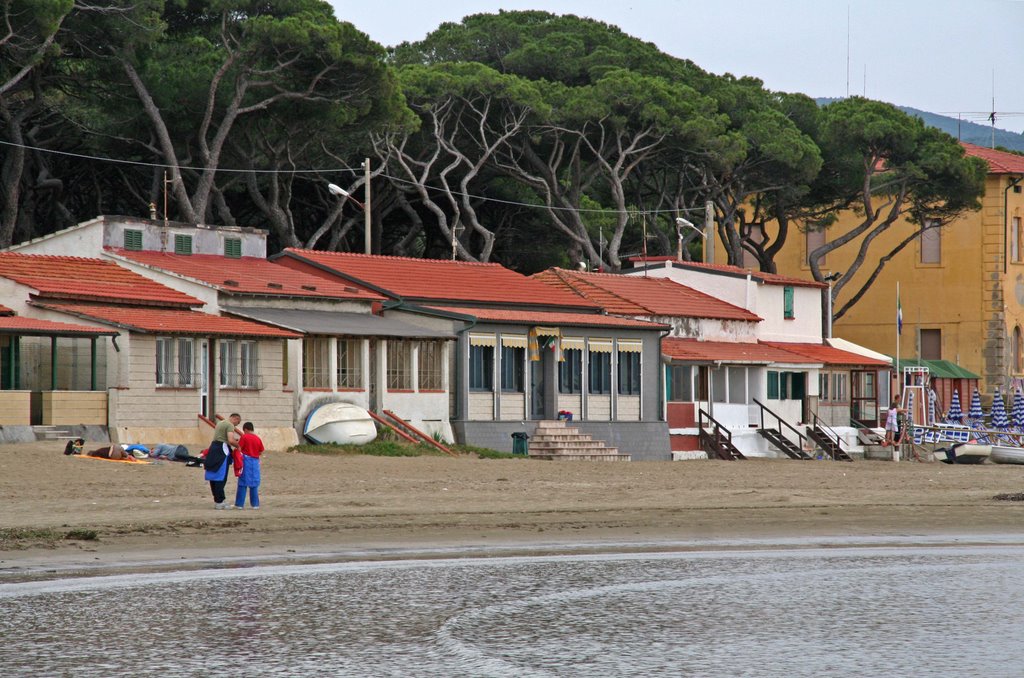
[780,423]
[719,432]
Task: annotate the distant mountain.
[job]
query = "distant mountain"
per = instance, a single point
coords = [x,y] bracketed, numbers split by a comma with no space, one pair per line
[971,132]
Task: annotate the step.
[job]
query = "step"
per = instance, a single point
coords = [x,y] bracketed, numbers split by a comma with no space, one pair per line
[566,443]
[548,436]
[583,457]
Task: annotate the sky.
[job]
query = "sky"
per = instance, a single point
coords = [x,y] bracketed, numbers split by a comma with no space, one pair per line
[941,56]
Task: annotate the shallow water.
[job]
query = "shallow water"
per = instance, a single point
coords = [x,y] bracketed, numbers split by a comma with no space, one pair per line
[921,611]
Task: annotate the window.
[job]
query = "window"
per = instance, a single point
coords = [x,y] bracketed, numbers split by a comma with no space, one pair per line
[718,384]
[233,247]
[174,362]
[570,371]
[182,244]
[815,239]
[773,385]
[738,385]
[931,243]
[248,364]
[931,344]
[132,239]
[481,368]
[430,366]
[681,383]
[316,369]
[599,373]
[787,303]
[239,364]
[823,382]
[839,387]
[629,373]
[1016,240]
[350,363]
[400,364]
[1018,350]
[512,358]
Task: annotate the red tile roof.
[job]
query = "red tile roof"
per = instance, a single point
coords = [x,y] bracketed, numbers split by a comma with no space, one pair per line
[439,280]
[727,351]
[823,353]
[248,275]
[999,162]
[11,324]
[528,317]
[78,278]
[170,321]
[637,295]
[5,311]
[760,276]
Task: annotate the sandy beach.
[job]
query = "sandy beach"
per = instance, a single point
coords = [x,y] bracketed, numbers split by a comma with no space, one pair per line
[160,515]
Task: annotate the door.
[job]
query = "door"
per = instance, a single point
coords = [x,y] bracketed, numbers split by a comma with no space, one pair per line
[204,378]
[864,397]
[537,388]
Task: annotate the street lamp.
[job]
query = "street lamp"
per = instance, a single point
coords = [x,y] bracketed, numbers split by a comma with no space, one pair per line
[342,193]
[680,224]
[335,189]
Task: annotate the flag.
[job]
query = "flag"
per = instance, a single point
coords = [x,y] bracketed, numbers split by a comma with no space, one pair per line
[899,314]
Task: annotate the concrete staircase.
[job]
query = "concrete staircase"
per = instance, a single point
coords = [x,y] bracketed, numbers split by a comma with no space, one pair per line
[556,441]
[51,433]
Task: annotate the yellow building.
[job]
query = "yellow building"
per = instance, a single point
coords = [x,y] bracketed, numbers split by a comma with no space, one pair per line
[961,286]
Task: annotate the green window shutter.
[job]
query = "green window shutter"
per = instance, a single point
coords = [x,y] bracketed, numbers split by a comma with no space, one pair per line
[784,378]
[773,385]
[233,247]
[799,384]
[132,239]
[787,302]
[183,244]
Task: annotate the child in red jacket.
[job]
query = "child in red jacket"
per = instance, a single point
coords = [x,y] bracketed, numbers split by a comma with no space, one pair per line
[247,467]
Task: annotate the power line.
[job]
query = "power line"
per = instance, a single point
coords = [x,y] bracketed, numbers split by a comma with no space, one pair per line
[329,170]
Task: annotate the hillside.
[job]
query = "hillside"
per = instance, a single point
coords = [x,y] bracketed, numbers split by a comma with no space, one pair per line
[965,130]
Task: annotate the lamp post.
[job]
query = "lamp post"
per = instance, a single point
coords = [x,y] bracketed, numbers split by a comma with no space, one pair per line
[680,225]
[341,192]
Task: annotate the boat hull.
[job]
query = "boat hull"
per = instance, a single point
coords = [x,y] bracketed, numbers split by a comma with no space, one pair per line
[340,424]
[1007,455]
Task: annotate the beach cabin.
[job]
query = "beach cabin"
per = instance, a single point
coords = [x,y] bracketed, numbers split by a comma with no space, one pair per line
[793,378]
[341,348]
[525,353]
[149,381]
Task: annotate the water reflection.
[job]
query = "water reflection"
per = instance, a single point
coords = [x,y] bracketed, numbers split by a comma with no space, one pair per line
[865,612]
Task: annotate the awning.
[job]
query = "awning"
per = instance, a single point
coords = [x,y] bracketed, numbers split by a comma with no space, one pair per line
[572,343]
[600,345]
[336,323]
[513,340]
[942,369]
[630,346]
[476,339]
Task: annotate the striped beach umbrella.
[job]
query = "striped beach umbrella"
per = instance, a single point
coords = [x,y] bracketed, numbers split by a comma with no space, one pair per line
[956,415]
[975,410]
[932,407]
[1017,413]
[997,413]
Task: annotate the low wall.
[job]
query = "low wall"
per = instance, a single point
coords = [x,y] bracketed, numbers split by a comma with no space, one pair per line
[15,408]
[73,407]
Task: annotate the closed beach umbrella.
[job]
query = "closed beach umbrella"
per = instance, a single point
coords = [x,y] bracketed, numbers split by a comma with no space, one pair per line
[975,410]
[998,413]
[956,415]
[1017,414]
[931,407]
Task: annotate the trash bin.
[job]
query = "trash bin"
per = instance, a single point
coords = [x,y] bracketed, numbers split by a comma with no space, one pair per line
[519,444]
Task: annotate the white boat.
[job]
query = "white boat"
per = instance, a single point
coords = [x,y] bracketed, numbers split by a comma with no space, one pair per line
[1007,455]
[965,454]
[340,423]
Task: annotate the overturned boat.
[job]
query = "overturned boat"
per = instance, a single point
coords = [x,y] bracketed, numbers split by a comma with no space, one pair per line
[341,424]
[1002,454]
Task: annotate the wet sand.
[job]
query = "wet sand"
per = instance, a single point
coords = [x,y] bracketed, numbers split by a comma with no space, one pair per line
[161,515]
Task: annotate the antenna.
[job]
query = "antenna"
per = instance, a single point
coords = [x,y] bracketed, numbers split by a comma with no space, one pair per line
[992,117]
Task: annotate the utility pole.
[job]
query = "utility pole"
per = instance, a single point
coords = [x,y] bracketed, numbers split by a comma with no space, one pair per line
[366,212]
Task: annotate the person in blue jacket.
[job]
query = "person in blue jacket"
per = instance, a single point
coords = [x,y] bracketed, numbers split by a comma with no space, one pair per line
[217,463]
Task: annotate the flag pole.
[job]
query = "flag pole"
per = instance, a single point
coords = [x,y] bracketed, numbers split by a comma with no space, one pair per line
[899,374]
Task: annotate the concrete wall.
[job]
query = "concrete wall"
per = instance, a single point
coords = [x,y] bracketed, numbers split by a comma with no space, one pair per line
[15,408]
[74,407]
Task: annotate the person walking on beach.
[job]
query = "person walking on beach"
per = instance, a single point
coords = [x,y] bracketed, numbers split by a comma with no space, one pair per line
[247,467]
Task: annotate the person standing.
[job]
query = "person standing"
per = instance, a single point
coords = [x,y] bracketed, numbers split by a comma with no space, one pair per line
[218,457]
[892,426]
[247,467]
